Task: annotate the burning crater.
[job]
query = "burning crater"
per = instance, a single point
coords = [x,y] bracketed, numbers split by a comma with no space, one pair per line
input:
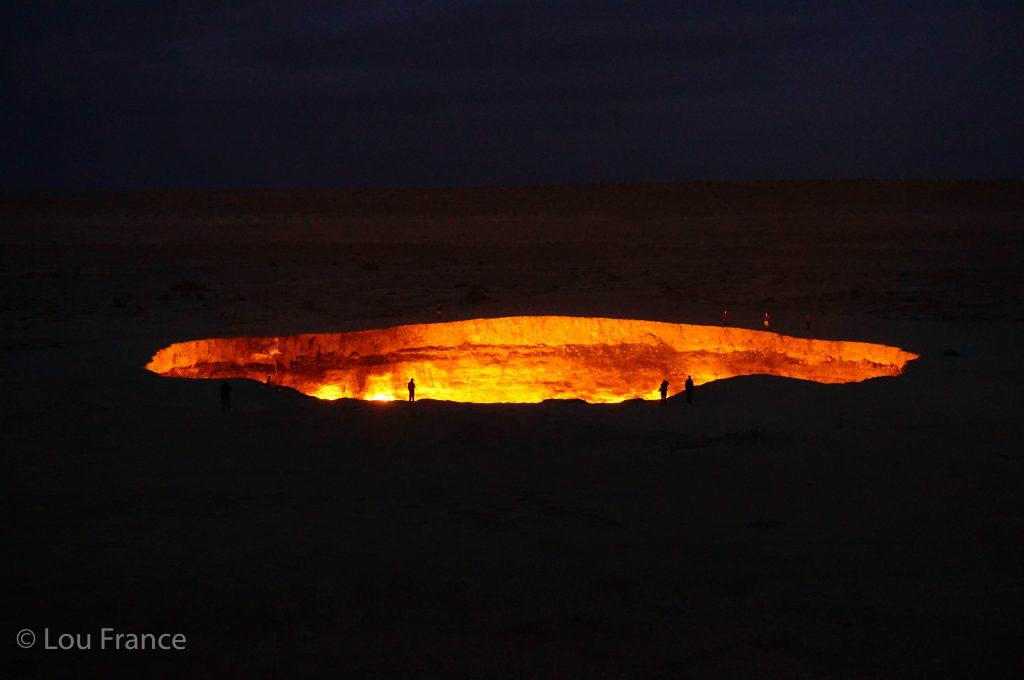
[524,359]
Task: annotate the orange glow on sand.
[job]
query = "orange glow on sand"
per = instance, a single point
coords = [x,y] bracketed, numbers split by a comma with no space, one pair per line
[524,359]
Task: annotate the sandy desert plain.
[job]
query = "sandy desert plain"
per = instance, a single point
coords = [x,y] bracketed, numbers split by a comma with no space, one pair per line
[774,528]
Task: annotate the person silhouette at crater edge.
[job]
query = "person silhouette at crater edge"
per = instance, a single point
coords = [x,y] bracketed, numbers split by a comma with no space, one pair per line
[664,390]
[689,389]
[412,390]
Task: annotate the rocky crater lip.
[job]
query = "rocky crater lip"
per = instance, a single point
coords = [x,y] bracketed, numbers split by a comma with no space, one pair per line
[524,359]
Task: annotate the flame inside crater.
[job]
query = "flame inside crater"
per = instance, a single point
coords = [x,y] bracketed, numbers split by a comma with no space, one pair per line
[524,359]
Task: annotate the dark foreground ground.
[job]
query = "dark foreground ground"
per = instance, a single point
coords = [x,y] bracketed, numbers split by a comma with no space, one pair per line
[773,528]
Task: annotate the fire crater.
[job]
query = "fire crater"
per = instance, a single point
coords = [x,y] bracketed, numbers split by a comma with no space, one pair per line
[524,359]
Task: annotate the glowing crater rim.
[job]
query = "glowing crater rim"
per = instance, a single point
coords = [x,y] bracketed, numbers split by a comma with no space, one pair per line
[524,359]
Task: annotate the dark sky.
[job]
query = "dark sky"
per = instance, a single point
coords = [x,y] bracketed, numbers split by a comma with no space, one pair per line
[151,95]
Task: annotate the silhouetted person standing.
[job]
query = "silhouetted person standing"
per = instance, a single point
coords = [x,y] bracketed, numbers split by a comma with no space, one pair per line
[412,390]
[225,396]
[664,390]
[689,389]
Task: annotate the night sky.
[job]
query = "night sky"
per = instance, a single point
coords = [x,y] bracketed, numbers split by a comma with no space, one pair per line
[248,95]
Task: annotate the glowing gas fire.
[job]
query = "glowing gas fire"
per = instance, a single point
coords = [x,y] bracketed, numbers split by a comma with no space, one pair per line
[524,359]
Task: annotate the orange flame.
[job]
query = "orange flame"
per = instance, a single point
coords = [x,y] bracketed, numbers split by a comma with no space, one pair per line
[524,359]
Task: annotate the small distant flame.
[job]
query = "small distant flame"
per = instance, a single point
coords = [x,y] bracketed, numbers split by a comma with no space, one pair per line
[378,388]
[328,392]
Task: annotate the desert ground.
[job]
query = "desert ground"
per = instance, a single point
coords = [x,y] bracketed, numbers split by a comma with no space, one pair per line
[774,528]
